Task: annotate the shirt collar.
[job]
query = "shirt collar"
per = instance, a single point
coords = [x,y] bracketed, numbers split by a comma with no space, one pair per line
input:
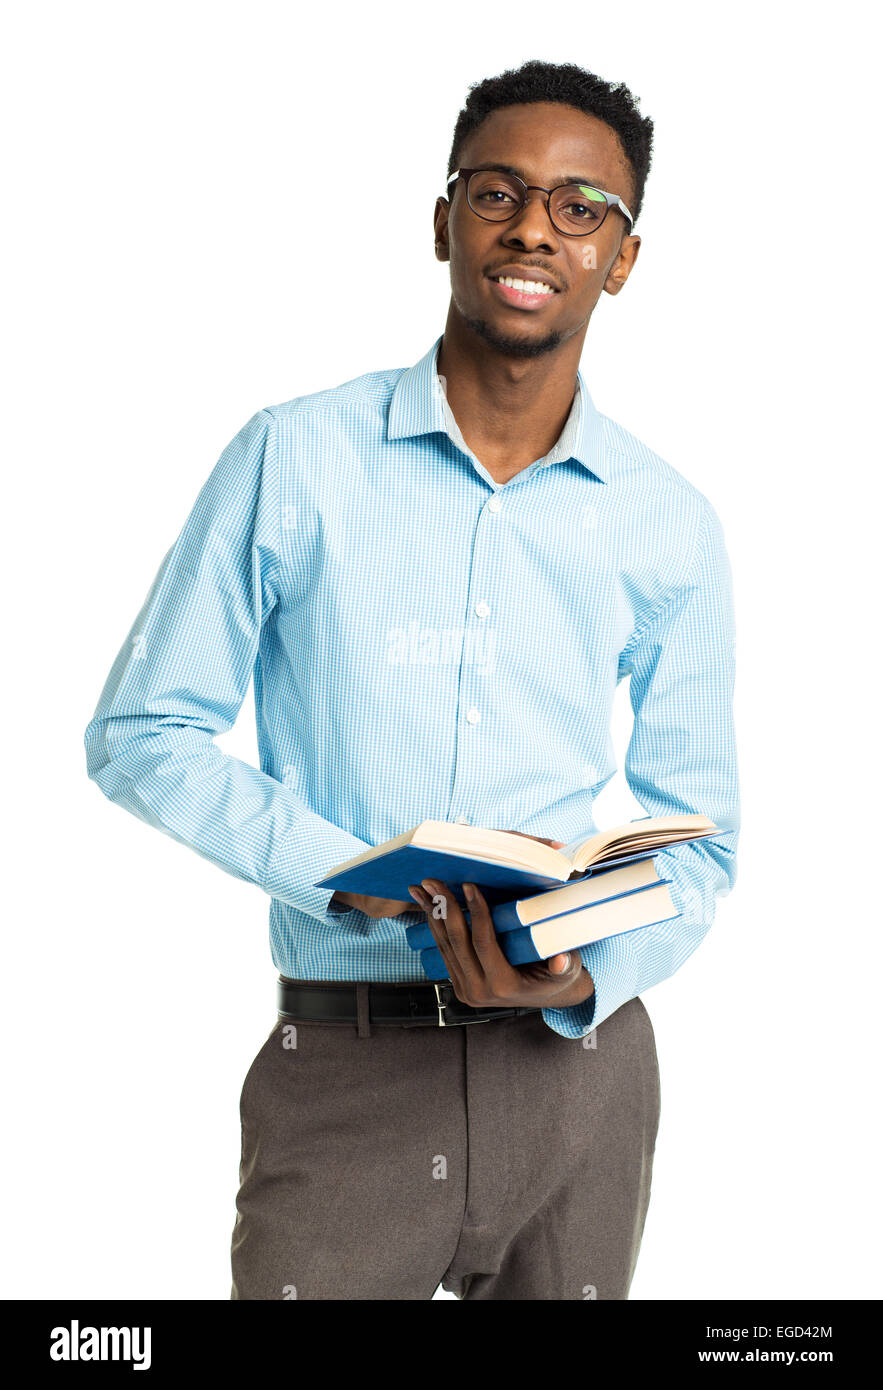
[418,407]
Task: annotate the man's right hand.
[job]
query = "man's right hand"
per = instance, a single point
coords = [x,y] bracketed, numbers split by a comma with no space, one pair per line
[375,907]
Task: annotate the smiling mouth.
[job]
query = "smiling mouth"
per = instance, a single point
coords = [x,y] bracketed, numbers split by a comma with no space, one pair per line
[524,286]
[526,294]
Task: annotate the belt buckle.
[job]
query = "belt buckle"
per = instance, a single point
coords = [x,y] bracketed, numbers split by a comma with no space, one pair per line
[443,1001]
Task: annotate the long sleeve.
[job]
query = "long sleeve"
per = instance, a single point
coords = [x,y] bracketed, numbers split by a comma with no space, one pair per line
[181,677]
[681,758]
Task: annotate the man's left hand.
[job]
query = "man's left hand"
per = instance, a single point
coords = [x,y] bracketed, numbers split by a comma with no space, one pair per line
[479,972]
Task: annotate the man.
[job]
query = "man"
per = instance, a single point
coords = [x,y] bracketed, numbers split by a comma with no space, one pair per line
[437,576]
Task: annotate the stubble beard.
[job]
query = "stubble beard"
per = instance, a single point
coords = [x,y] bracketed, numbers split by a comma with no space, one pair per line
[511,346]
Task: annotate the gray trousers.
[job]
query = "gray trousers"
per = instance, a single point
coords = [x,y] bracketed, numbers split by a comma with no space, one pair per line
[498,1159]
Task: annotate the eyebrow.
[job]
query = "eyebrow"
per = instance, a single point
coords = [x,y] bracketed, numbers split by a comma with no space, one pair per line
[519,173]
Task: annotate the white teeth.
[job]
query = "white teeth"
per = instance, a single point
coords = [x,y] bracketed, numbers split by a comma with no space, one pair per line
[525,286]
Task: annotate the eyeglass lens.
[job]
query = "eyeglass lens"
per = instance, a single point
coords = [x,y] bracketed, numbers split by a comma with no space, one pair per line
[573,208]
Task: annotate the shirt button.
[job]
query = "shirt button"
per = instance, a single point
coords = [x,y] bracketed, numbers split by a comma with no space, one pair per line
[462,820]
[472,716]
[482,609]
[494,504]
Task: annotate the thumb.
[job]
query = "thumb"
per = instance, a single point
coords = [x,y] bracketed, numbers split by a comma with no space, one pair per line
[560,964]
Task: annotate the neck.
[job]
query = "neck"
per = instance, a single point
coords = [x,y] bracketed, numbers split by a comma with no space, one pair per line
[510,410]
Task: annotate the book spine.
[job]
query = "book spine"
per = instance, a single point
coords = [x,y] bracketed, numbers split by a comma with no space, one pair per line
[506,916]
[518,947]
[433,963]
[419,936]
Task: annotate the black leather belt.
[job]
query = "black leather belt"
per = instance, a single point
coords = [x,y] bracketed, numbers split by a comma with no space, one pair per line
[408,1005]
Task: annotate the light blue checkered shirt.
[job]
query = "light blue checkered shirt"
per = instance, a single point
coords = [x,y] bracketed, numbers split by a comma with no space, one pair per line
[426,643]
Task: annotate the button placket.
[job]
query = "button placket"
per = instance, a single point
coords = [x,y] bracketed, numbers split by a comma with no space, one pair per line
[472,711]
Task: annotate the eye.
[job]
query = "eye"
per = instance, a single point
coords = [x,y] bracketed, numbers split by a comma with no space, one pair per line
[495,195]
[586,202]
[581,211]
[493,191]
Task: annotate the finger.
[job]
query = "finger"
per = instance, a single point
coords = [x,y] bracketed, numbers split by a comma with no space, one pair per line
[429,903]
[446,917]
[485,944]
[436,924]
[451,930]
[569,970]
[449,956]
[560,964]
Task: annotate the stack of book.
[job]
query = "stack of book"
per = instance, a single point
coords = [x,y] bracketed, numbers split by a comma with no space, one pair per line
[543,901]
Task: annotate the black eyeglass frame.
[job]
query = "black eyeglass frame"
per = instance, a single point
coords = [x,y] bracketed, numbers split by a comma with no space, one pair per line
[612,200]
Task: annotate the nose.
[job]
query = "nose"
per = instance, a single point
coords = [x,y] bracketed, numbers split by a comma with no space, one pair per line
[531,226]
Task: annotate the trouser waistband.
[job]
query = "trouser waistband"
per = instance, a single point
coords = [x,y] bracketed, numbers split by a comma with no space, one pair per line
[408,1005]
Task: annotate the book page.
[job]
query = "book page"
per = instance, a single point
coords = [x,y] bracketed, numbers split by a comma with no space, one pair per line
[651,832]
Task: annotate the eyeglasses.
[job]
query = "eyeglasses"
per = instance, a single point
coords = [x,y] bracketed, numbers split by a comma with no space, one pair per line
[575,209]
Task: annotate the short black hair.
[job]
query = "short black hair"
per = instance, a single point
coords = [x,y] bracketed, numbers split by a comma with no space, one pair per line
[535,80]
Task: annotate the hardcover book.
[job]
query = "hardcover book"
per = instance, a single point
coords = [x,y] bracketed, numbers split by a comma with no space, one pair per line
[503,863]
[601,887]
[631,911]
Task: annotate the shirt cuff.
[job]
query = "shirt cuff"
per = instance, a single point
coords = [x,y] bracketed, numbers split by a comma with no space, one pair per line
[613,967]
[309,850]
[575,1022]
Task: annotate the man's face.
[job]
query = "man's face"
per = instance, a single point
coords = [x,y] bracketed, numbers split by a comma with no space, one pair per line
[547,144]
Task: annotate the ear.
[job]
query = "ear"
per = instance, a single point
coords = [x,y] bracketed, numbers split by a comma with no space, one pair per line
[623,265]
[440,227]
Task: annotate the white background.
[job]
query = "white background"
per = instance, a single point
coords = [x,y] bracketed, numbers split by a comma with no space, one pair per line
[172,266]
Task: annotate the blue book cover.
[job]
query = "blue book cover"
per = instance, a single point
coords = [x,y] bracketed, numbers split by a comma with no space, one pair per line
[497,861]
[419,936]
[518,946]
[390,875]
[505,914]
[433,963]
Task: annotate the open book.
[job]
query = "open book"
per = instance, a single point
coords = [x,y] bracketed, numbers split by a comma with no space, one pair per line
[499,860]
